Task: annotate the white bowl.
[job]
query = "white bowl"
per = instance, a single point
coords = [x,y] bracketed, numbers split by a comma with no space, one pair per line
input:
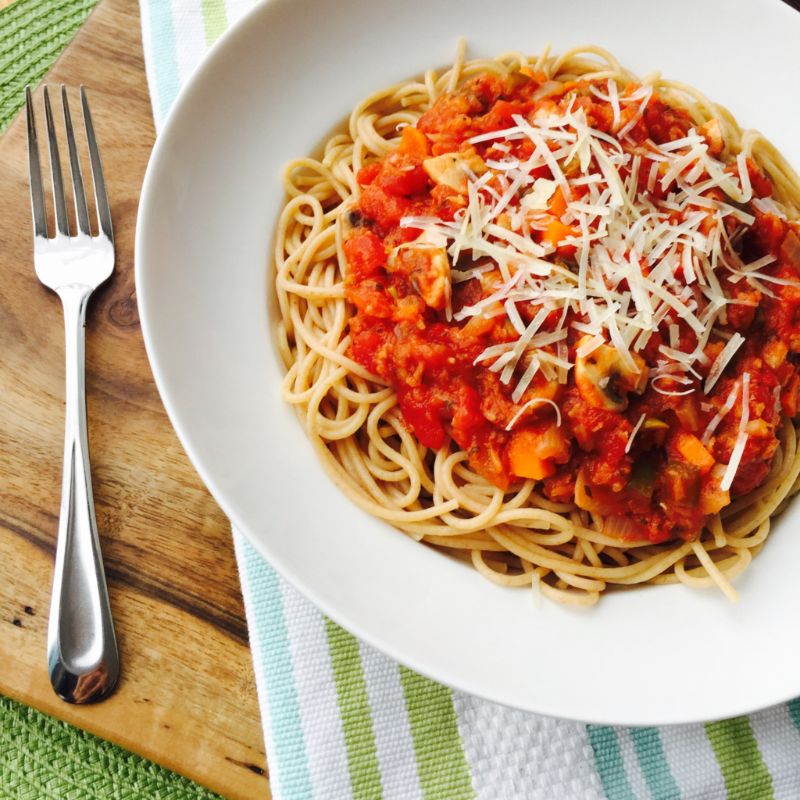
[270,91]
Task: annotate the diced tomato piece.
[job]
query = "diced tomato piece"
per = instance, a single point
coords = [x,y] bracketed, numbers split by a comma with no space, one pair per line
[467,417]
[412,181]
[762,185]
[368,173]
[790,397]
[424,415]
[666,123]
[384,208]
[790,251]
[403,175]
[370,344]
[501,115]
[370,297]
[365,255]
[767,232]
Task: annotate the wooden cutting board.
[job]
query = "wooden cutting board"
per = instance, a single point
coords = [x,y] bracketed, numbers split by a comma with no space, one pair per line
[187,696]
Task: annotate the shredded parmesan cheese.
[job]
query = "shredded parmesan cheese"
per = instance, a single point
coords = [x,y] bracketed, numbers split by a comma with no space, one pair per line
[634,432]
[643,263]
[720,415]
[741,438]
[536,401]
[722,360]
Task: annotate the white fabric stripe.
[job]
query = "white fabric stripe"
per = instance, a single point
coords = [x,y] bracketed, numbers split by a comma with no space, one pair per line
[236,8]
[148,39]
[316,695]
[397,760]
[190,36]
[692,762]
[632,768]
[779,743]
[273,764]
[517,756]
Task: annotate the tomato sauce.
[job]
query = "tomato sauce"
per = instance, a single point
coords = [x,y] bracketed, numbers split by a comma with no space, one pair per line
[665,479]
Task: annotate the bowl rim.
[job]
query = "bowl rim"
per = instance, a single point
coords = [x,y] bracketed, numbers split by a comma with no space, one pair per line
[169,130]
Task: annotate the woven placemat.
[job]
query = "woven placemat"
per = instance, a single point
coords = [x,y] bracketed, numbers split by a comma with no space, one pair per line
[42,758]
[32,35]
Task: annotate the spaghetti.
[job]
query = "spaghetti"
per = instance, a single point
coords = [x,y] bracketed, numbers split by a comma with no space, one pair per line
[585,425]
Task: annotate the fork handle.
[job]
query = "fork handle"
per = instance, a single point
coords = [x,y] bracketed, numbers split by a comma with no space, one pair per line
[82,655]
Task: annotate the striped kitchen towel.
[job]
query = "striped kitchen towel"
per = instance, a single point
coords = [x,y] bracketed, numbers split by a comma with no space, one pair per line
[343,721]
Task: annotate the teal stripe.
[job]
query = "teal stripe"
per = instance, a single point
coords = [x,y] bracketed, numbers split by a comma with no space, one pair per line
[441,763]
[794,711]
[274,666]
[657,774]
[165,64]
[609,763]
[351,693]
[745,773]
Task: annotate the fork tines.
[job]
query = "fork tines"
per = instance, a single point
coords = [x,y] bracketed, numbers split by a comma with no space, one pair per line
[79,195]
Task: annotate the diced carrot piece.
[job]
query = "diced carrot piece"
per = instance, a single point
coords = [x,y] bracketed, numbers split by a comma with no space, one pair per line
[527,465]
[694,452]
[555,233]
[531,454]
[478,325]
[558,204]
[413,142]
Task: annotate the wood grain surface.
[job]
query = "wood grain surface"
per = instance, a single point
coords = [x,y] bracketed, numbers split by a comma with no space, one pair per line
[187,697]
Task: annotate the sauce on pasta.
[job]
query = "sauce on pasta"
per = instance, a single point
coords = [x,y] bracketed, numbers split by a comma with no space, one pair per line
[411,328]
[545,314]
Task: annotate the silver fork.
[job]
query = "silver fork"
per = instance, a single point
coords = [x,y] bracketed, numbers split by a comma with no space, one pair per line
[82,655]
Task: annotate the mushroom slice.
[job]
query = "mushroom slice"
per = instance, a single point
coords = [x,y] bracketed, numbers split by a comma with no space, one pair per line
[427,268]
[349,219]
[604,380]
[452,169]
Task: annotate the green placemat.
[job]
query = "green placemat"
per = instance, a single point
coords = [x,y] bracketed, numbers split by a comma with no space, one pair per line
[44,759]
[40,757]
[32,35]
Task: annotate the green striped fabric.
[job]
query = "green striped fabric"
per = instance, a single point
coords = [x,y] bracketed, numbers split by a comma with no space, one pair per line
[441,763]
[351,691]
[746,775]
[344,721]
[215,19]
